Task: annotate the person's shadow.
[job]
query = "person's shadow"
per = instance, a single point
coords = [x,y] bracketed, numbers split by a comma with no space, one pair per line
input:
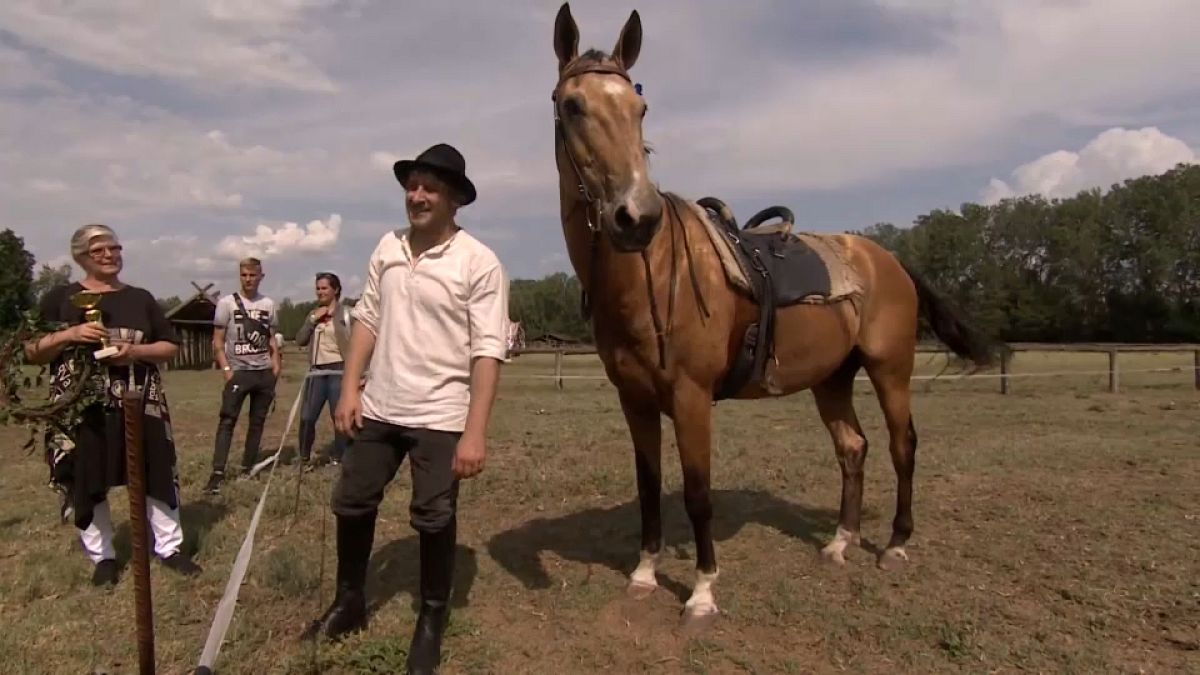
[612,536]
[396,568]
[196,518]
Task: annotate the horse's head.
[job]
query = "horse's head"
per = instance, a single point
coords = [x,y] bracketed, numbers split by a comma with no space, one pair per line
[598,118]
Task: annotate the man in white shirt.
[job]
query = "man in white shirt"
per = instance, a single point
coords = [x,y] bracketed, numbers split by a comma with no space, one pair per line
[431,322]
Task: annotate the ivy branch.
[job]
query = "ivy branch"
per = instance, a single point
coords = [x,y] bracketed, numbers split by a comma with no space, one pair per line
[47,413]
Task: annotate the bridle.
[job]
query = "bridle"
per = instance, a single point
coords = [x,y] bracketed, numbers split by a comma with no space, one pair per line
[574,69]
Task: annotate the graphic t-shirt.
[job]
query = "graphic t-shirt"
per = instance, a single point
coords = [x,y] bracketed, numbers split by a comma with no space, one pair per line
[131,315]
[248,334]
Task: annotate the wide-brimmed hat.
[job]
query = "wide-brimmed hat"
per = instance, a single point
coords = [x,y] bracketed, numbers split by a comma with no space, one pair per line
[444,161]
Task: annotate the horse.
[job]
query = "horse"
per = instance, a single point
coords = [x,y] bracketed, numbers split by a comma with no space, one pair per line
[630,243]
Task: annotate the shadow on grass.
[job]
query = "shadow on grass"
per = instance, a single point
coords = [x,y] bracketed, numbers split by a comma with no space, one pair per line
[395,568]
[197,518]
[611,536]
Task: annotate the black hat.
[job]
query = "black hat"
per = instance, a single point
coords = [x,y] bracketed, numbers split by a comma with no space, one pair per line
[444,161]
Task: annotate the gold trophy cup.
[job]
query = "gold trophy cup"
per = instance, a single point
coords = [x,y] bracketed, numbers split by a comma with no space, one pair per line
[87,301]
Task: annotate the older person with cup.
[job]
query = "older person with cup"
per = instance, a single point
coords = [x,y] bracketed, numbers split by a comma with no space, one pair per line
[132,337]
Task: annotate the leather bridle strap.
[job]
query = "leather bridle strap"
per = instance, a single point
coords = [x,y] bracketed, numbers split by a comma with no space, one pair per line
[574,69]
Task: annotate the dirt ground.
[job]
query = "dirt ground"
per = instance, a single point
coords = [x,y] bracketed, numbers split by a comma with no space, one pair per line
[1057,530]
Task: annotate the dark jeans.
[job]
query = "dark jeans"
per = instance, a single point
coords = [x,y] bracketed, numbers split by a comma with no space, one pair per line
[374,456]
[319,391]
[259,385]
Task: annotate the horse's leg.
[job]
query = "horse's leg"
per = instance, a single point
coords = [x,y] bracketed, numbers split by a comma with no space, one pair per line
[891,380]
[835,402]
[692,415]
[646,430]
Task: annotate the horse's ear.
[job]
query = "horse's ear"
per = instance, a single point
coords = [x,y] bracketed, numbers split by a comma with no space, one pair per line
[629,44]
[566,36]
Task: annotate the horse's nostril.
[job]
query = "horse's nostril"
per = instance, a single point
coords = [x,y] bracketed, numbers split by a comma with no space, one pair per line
[623,219]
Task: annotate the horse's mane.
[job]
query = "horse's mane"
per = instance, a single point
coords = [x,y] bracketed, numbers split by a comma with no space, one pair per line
[594,56]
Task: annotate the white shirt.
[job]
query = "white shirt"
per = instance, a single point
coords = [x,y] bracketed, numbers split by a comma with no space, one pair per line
[431,317]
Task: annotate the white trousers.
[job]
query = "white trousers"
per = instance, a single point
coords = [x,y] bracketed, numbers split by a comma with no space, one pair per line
[97,539]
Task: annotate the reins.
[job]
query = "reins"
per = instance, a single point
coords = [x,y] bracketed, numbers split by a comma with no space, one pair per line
[662,334]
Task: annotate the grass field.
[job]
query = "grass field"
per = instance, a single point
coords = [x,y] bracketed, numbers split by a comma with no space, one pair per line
[1057,530]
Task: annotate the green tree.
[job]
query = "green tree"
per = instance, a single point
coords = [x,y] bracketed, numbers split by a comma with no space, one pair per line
[170,303]
[16,279]
[50,277]
[1115,265]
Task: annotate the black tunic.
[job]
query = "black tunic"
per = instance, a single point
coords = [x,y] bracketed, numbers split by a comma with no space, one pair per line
[97,461]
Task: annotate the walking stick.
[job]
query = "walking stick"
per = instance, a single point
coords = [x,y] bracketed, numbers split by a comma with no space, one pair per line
[135,466]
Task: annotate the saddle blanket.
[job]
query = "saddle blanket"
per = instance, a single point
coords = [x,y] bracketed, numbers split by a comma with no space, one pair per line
[823,276]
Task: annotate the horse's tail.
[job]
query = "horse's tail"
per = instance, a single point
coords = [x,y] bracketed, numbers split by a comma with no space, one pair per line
[951,328]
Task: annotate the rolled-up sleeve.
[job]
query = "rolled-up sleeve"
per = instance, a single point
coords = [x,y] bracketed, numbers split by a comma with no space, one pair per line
[366,311]
[487,310]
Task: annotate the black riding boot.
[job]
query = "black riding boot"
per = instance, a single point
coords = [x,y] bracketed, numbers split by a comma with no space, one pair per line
[437,575]
[349,609]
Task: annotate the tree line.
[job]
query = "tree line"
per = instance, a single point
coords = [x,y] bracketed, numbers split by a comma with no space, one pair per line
[1115,266]
[1120,265]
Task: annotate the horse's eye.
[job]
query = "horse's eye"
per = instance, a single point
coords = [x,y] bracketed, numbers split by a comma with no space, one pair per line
[573,106]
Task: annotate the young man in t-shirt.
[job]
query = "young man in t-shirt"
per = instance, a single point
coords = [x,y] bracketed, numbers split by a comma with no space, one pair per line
[243,340]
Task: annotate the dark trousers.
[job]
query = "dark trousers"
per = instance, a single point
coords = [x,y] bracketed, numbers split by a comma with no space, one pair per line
[259,386]
[320,391]
[371,462]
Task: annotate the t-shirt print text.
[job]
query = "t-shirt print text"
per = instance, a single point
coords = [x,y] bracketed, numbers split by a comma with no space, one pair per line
[250,336]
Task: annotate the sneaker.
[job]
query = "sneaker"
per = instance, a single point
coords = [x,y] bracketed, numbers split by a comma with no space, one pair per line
[182,564]
[105,573]
[214,483]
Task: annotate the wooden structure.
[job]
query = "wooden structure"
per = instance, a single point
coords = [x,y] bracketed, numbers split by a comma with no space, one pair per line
[193,322]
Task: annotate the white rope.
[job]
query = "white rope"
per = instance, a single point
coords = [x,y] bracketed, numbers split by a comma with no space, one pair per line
[224,614]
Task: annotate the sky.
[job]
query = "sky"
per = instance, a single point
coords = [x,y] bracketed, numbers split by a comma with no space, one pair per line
[206,130]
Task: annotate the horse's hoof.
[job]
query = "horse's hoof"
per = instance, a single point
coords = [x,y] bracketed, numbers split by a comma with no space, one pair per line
[698,621]
[892,559]
[833,556]
[639,590]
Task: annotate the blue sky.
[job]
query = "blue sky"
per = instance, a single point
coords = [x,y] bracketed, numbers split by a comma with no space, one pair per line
[207,130]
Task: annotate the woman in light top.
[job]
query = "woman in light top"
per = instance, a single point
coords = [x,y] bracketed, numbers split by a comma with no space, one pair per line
[328,329]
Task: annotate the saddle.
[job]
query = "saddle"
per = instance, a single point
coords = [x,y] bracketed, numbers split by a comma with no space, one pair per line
[780,269]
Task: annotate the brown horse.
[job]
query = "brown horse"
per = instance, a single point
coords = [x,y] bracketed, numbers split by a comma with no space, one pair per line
[630,245]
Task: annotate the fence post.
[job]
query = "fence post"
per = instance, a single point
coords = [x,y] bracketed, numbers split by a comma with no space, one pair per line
[1114,373]
[558,359]
[1004,372]
[1196,367]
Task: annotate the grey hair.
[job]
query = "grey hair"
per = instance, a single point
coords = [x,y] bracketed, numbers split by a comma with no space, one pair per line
[82,239]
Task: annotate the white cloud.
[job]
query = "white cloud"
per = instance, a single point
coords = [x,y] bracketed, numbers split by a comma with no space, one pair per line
[1111,157]
[213,42]
[288,238]
[383,161]
[214,115]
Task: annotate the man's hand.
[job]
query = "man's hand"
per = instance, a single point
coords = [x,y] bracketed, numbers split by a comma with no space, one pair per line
[86,332]
[348,416]
[469,456]
[320,313]
[227,374]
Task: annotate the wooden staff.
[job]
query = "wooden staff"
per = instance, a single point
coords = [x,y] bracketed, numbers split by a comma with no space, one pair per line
[135,467]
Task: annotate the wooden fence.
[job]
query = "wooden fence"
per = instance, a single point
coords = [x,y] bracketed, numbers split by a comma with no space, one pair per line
[1113,350]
